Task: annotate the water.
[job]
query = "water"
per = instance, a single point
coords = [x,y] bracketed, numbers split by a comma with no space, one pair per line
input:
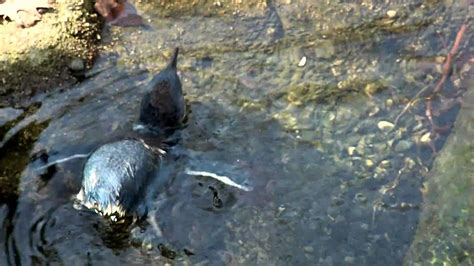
[331,186]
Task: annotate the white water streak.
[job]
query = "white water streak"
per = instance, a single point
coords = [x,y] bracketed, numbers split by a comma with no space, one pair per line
[75,156]
[222,178]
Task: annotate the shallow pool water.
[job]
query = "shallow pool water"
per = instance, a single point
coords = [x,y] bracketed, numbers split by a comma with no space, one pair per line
[302,101]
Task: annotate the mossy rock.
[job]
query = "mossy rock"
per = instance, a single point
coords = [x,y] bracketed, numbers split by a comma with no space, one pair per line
[34,59]
[445,235]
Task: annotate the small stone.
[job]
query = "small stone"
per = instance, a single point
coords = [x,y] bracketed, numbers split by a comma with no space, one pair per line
[375,110]
[391,13]
[379,171]
[76,64]
[351,150]
[409,162]
[369,163]
[335,71]
[337,201]
[405,206]
[349,259]
[403,145]
[271,30]
[426,138]
[390,142]
[385,164]
[302,62]
[371,88]
[338,62]
[359,197]
[308,249]
[148,246]
[364,226]
[385,125]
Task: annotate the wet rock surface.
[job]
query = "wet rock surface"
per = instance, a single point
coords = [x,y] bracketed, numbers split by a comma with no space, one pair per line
[445,232]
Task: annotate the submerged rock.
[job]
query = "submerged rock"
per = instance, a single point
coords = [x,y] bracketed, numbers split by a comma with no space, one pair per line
[444,234]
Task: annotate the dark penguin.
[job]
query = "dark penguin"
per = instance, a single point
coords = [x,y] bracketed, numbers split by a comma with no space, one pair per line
[163,105]
[116,175]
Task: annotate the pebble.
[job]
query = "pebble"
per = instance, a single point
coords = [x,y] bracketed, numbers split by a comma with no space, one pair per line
[385,125]
[302,62]
[337,201]
[76,64]
[359,197]
[391,13]
[364,226]
[349,259]
[426,138]
[385,164]
[369,163]
[351,150]
[410,163]
[403,145]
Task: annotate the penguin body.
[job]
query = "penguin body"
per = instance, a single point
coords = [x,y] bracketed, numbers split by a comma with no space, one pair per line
[116,175]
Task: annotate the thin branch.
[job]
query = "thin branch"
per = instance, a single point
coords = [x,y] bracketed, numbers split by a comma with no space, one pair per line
[446,68]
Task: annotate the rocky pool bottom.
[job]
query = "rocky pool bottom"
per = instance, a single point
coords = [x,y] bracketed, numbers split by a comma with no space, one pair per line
[307,205]
[339,175]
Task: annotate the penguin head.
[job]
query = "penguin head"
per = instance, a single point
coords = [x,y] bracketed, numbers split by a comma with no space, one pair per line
[163,105]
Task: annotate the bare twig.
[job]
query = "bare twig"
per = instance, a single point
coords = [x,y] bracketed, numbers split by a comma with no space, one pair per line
[446,69]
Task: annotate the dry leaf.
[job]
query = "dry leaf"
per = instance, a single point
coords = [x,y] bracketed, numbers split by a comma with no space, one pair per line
[118,12]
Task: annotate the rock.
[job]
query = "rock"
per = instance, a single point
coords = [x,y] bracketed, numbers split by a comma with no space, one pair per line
[337,201]
[76,64]
[308,249]
[446,224]
[302,62]
[369,163]
[391,13]
[403,145]
[351,150]
[385,164]
[385,125]
[426,138]
[349,259]
[361,198]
